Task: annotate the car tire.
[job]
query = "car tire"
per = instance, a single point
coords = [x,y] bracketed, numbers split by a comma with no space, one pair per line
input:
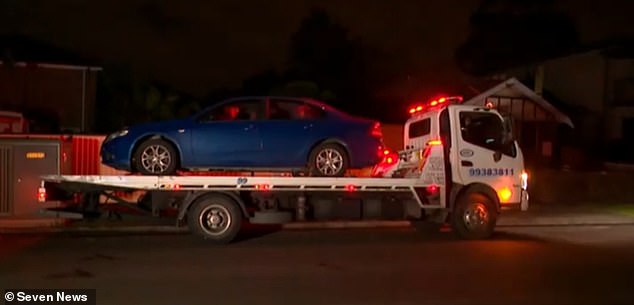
[215,218]
[166,162]
[474,216]
[328,160]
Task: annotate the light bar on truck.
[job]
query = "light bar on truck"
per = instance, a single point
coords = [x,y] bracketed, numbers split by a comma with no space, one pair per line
[441,102]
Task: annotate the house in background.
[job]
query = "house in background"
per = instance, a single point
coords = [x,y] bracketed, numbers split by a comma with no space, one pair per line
[49,86]
[537,126]
[596,89]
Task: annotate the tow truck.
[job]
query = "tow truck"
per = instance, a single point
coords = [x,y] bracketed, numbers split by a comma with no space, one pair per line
[460,166]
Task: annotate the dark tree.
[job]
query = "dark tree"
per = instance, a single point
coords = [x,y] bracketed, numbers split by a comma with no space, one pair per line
[507,33]
[261,83]
[322,52]
[155,15]
[126,98]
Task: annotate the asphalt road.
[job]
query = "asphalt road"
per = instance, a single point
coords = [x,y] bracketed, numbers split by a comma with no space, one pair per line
[529,265]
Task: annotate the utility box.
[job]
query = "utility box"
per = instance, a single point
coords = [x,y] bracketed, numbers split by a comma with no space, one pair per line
[22,162]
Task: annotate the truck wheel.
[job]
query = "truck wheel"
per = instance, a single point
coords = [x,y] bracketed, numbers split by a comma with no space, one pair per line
[328,160]
[155,157]
[474,216]
[215,218]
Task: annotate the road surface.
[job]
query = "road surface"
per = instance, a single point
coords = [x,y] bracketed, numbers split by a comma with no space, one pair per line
[524,265]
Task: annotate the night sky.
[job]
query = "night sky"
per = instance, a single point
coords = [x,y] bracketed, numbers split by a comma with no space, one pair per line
[198,46]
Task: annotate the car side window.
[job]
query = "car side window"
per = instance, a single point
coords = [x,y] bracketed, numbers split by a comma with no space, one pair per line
[419,128]
[485,130]
[248,110]
[293,110]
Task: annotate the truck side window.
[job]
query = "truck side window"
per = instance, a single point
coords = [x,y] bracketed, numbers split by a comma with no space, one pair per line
[485,130]
[420,128]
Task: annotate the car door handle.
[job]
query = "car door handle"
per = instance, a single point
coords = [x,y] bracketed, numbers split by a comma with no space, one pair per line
[466,163]
[309,126]
[248,128]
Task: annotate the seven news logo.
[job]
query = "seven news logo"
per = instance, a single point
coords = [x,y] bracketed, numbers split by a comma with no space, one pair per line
[50,296]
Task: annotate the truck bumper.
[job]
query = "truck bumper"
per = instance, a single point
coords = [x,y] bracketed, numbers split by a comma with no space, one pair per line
[522,205]
[524,202]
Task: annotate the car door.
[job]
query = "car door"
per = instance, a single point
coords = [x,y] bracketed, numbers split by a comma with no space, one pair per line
[291,128]
[228,135]
[484,153]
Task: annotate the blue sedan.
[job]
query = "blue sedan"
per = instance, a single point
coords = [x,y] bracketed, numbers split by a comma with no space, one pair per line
[250,133]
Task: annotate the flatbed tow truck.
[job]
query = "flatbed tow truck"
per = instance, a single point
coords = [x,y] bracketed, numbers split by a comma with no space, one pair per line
[460,166]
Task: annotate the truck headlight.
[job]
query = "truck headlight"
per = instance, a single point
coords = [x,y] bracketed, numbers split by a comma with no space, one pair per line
[524,176]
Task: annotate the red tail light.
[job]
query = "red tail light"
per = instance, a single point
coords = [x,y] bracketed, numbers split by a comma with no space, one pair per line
[389,157]
[262,187]
[351,188]
[376,130]
[432,189]
[41,194]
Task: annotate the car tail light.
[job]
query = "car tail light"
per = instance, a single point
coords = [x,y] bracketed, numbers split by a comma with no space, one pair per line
[389,157]
[376,130]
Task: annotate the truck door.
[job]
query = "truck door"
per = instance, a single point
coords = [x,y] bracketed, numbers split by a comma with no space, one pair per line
[485,154]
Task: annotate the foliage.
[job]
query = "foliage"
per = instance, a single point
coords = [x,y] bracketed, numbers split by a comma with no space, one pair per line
[303,89]
[508,33]
[125,99]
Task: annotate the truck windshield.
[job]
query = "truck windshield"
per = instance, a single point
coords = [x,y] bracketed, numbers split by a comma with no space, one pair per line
[486,130]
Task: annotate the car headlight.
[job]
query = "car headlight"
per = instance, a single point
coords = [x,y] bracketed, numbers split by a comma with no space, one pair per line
[117,134]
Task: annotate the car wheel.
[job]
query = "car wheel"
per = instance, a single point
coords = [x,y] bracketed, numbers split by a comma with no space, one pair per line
[155,157]
[328,160]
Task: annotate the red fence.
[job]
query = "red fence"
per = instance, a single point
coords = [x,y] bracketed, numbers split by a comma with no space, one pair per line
[87,157]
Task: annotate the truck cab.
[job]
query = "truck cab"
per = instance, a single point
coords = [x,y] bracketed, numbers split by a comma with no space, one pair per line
[479,150]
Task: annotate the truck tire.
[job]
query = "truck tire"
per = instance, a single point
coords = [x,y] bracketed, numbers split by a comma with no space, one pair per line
[215,218]
[328,160]
[156,157]
[474,216]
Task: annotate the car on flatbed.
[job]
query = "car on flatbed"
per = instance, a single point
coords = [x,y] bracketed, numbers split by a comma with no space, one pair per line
[250,133]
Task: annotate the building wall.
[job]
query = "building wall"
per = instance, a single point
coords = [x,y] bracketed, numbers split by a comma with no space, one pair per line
[620,97]
[58,91]
[578,80]
[602,85]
